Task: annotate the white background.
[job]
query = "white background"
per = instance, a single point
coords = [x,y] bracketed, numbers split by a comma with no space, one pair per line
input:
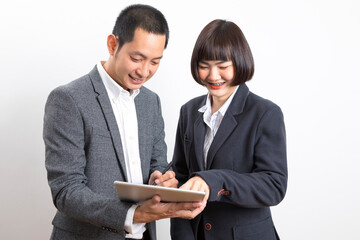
[307,61]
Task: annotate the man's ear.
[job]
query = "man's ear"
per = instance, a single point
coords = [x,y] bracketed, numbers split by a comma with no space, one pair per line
[112,44]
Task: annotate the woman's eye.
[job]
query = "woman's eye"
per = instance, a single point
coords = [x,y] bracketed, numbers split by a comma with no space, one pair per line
[223,67]
[203,67]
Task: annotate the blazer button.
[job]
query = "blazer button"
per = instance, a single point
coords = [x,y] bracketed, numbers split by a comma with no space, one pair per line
[208,226]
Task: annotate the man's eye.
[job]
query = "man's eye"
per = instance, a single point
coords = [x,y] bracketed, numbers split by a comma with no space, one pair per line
[154,63]
[135,59]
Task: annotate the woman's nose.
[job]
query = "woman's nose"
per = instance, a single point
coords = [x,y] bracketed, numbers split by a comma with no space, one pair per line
[213,74]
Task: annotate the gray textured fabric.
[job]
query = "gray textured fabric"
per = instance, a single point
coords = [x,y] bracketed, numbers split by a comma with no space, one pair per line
[84,157]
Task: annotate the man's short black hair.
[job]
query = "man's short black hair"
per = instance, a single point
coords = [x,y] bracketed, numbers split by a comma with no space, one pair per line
[139,16]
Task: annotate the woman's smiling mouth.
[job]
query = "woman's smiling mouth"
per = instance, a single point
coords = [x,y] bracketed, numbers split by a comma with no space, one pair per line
[216,85]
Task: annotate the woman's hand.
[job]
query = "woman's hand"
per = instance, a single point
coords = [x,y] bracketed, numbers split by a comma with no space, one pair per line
[198,184]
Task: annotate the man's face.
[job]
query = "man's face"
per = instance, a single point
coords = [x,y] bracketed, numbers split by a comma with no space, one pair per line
[137,61]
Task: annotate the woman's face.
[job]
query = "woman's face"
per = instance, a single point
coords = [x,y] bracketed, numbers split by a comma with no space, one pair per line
[217,76]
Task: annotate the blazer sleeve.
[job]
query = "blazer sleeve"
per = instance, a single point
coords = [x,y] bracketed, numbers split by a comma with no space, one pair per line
[181,228]
[266,184]
[64,139]
[179,159]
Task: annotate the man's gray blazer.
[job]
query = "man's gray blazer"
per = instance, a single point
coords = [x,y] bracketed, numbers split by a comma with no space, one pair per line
[84,157]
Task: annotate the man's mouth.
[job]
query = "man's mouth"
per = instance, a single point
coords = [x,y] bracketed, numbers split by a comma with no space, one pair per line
[138,80]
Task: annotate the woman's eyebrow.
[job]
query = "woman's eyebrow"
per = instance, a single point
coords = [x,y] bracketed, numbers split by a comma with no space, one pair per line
[216,63]
[221,62]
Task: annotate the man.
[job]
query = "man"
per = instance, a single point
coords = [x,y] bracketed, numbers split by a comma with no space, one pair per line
[106,126]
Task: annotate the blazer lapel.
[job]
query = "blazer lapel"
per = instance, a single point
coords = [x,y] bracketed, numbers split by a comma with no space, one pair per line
[199,137]
[228,123]
[109,116]
[142,114]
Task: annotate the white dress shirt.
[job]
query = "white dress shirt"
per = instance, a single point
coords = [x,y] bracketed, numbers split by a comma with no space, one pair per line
[213,121]
[123,106]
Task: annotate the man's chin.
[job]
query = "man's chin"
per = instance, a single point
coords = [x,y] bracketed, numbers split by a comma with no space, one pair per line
[136,86]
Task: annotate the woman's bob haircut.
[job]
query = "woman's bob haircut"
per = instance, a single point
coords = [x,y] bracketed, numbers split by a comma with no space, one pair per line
[223,40]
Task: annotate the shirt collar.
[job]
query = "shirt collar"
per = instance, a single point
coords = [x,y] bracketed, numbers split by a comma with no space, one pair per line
[207,104]
[112,87]
[224,107]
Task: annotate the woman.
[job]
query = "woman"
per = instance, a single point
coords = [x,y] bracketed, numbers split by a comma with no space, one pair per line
[230,143]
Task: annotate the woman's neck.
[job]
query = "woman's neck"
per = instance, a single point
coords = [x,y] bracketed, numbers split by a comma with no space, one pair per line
[216,103]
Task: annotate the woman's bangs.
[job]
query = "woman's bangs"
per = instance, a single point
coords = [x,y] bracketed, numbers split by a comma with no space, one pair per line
[214,51]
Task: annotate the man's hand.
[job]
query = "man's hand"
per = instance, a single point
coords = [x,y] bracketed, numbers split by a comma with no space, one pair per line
[153,209]
[165,180]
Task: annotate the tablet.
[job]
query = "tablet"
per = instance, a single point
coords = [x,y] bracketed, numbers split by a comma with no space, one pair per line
[139,192]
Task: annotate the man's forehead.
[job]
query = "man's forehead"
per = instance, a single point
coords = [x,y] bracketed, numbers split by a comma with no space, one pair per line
[146,45]
[138,53]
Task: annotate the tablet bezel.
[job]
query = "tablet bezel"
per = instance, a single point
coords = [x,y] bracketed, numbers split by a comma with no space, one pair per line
[140,192]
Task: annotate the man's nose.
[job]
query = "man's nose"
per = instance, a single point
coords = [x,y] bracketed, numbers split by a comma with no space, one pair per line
[144,70]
